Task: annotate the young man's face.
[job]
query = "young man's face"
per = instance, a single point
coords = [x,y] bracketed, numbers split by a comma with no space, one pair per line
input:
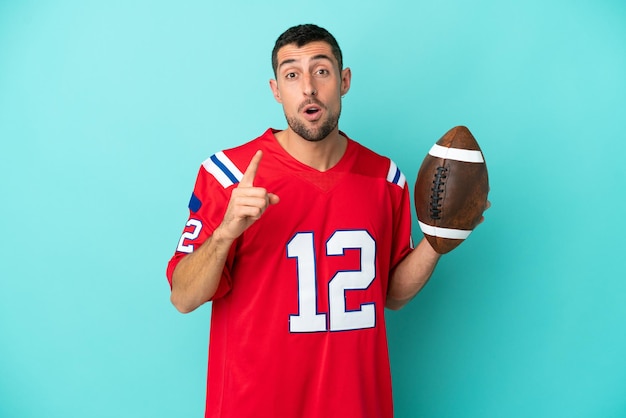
[309,85]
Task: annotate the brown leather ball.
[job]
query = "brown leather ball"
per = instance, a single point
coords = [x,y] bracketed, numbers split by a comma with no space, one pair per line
[451,189]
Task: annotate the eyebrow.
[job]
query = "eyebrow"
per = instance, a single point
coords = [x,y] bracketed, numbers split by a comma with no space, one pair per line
[314,58]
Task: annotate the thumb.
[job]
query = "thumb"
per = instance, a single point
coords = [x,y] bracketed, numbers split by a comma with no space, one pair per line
[273,199]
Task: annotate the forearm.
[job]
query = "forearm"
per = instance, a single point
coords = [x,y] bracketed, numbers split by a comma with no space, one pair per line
[410,276]
[197,275]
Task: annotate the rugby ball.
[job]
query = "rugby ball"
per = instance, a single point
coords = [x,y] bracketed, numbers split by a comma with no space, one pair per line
[451,190]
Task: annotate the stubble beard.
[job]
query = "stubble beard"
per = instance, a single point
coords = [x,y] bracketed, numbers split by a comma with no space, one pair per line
[314,134]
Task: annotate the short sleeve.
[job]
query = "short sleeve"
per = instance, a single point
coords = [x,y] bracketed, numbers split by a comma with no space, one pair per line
[402,240]
[207,206]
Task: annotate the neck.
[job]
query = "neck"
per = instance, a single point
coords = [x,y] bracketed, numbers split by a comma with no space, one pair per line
[320,155]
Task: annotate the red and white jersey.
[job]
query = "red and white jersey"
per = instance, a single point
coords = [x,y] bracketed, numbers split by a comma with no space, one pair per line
[297,326]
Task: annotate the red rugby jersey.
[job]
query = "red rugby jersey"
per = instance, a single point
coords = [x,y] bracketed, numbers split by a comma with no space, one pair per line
[297,325]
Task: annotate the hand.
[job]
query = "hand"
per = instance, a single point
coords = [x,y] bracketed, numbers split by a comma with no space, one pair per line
[247,202]
[487,206]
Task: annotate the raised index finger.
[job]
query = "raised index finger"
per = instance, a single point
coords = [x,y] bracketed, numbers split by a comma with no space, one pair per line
[248,177]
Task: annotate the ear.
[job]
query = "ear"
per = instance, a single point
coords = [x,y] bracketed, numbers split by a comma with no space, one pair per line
[275,91]
[346,78]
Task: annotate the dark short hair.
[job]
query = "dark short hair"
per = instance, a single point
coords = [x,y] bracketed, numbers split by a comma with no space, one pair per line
[302,35]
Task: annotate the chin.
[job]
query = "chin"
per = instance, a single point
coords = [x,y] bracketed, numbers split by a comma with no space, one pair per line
[313,134]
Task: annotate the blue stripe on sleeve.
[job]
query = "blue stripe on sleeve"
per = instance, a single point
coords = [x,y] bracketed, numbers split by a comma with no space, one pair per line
[225,170]
[194,203]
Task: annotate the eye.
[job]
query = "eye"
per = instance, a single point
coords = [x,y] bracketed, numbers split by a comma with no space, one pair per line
[322,72]
[290,75]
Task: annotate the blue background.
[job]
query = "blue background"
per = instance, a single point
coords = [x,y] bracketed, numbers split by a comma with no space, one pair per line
[108,108]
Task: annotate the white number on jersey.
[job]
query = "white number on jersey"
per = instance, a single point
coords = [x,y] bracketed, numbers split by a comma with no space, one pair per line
[192,234]
[308,319]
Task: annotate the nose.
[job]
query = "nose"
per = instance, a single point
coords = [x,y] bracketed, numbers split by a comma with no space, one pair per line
[309,87]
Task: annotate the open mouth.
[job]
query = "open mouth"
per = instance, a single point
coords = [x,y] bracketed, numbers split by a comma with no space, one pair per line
[312,111]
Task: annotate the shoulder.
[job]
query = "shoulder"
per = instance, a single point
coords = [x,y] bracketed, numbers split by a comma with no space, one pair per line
[227,166]
[371,163]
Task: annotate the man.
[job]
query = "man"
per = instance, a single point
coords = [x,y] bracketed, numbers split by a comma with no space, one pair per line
[300,238]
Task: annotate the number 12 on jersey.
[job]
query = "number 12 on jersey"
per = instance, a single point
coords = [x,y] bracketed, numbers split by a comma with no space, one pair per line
[302,248]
